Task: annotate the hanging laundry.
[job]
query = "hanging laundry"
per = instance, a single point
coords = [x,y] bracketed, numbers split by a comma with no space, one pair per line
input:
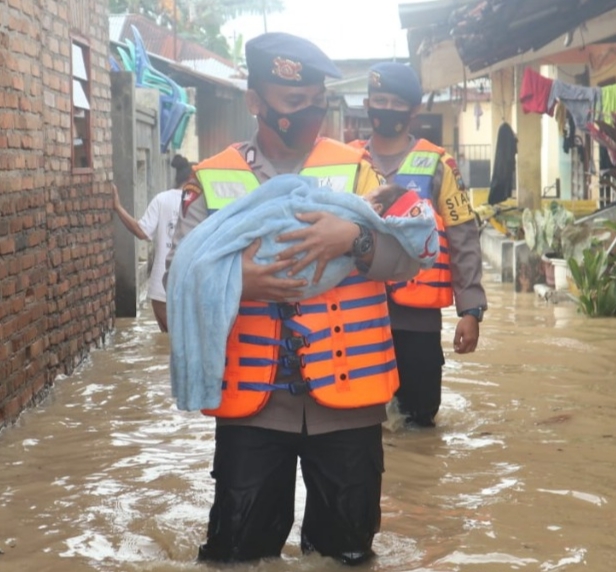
[535,92]
[605,134]
[605,162]
[584,103]
[501,185]
[478,112]
[608,103]
[560,114]
[568,132]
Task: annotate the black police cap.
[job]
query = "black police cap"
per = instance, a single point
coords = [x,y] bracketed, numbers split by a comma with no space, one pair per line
[284,59]
[396,78]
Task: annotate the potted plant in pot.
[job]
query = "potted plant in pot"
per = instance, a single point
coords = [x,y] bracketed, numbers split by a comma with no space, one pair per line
[595,280]
[593,275]
[552,234]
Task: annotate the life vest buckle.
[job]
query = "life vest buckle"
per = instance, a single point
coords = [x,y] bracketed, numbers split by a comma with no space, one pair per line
[293,361]
[287,311]
[299,387]
[294,343]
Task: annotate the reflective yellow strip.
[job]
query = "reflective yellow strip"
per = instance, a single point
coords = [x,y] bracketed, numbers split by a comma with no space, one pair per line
[223,186]
[420,163]
[338,177]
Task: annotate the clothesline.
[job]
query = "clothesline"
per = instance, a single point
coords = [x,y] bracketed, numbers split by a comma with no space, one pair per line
[592,110]
[540,94]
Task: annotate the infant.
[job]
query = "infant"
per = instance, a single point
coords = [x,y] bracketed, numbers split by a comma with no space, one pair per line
[397,208]
[392,200]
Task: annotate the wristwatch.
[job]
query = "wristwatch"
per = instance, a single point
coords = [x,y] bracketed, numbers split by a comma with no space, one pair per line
[363,244]
[477,313]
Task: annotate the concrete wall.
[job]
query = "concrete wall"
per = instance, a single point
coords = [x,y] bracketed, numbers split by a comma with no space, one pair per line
[56,260]
[469,134]
[140,171]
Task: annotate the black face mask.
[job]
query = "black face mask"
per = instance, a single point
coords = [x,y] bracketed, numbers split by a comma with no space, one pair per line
[297,130]
[389,122]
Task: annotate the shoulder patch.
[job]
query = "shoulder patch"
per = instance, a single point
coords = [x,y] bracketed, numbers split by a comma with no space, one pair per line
[451,163]
[191,191]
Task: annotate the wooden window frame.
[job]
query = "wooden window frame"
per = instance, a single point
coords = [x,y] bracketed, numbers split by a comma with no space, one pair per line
[87,88]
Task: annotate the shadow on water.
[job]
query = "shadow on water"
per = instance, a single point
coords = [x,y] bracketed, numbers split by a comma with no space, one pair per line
[107,475]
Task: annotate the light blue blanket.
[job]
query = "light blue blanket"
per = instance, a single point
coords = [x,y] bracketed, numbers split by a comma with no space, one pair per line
[205,279]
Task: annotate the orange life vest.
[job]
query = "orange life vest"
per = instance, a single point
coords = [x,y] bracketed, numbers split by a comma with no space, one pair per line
[341,346]
[431,288]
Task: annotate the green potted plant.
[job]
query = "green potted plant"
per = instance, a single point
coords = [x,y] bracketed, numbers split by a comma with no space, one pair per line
[595,281]
[551,233]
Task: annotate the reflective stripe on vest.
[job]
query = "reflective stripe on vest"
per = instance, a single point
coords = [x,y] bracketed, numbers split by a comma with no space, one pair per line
[228,177]
[340,348]
[431,288]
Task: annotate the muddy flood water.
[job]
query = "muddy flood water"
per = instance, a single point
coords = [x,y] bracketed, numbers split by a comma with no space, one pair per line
[106,475]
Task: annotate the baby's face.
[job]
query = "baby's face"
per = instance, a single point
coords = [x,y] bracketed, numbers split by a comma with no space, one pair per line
[372,198]
[383,197]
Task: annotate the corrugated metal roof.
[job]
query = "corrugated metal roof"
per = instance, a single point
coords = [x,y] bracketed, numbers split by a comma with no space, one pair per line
[509,29]
[486,32]
[176,69]
[159,44]
[159,40]
[211,67]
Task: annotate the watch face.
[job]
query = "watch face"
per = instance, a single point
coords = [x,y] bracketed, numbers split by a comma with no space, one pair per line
[363,243]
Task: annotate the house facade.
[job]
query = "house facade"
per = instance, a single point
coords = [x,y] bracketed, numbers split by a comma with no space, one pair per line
[453,42]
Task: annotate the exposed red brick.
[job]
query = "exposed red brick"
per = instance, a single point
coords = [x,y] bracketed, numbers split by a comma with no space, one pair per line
[55,226]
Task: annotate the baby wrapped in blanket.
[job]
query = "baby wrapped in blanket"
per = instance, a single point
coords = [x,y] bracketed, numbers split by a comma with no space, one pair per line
[204,285]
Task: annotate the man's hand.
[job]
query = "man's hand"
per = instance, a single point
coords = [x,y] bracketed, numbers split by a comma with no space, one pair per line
[260,283]
[326,238]
[466,336]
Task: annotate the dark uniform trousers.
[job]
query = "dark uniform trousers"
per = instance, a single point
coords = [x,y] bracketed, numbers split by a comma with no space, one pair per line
[420,362]
[253,508]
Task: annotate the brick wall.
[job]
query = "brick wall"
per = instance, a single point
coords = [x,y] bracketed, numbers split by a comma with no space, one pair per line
[56,244]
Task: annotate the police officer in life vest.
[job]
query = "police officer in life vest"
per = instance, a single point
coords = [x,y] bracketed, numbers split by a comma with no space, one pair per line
[307,380]
[394,99]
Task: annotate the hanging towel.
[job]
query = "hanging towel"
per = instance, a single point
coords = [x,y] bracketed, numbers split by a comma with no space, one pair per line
[569,133]
[205,278]
[584,103]
[535,92]
[501,184]
[560,114]
[608,103]
[478,112]
[605,134]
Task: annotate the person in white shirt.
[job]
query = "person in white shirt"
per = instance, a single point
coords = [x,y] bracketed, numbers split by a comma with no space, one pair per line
[158,225]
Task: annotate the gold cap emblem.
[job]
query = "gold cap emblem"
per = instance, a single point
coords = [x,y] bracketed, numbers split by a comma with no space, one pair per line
[374,79]
[287,69]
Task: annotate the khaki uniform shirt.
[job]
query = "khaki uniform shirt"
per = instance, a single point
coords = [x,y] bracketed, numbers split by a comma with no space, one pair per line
[295,413]
[451,201]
